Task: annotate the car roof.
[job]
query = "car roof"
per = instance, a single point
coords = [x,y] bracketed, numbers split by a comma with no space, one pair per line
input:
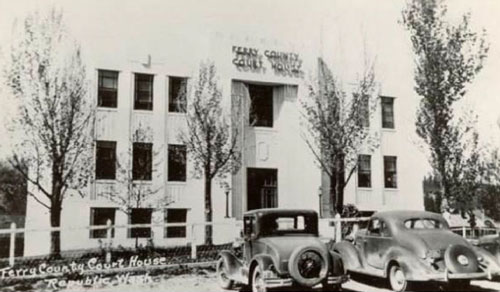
[280,211]
[404,215]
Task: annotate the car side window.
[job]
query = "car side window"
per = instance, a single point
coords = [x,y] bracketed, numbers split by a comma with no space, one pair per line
[248,226]
[374,227]
[384,230]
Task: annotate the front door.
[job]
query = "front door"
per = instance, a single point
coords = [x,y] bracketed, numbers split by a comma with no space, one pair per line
[262,188]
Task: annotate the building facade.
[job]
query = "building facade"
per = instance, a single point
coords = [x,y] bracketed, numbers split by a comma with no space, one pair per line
[140,161]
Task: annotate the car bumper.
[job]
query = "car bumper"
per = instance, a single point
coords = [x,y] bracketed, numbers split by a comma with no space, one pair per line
[288,282]
[446,276]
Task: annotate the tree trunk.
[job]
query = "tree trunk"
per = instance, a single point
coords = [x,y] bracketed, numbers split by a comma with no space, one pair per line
[55,221]
[339,202]
[333,193]
[208,210]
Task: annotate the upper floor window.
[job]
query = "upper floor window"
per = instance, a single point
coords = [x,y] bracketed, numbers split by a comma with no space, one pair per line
[387,112]
[261,105]
[175,216]
[142,167]
[105,160]
[176,162]
[99,217]
[107,94]
[364,171]
[177,101]
[390,172]
[364,111]
[143,92]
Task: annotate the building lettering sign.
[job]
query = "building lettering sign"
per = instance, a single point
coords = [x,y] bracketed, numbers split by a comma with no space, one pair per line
[254,60]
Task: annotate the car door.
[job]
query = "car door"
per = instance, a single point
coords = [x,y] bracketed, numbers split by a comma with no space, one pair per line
[378,240]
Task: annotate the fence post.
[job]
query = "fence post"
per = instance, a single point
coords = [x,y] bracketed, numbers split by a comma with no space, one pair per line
[108,241]
[193,243]
[338,228]
[464,232]
[12,246]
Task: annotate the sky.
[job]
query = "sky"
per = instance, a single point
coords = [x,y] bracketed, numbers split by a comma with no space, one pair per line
[333,28]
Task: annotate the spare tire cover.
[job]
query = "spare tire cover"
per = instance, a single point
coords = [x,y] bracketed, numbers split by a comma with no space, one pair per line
[461,259]
[308,265]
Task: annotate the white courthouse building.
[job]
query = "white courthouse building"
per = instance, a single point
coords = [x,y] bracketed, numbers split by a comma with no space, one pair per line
[135,81]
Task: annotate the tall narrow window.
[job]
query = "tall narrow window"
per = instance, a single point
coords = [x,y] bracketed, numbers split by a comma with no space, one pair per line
[108,89]
[176,162]
[142,167]
[100,217]
[105,167]
[177,94]
[175,216]
[143,92]
[390,172]
[364,171]
[140,216]
[261,105]
[387,112]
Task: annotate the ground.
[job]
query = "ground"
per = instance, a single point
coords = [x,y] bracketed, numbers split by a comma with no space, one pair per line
[205,281]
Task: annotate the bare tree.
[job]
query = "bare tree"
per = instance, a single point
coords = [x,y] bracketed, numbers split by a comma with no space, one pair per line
[447,58]
[47,77]
[210,139]
[337,123]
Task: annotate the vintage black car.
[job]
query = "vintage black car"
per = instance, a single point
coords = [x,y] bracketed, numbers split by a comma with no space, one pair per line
[405,246]
[281,248]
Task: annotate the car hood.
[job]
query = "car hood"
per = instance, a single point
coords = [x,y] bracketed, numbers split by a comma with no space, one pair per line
[439,239]
[285,245]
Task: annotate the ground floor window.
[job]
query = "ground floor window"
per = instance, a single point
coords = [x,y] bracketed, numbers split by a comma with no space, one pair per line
[262,188]
[390,172]
[99,217]
[175,216]
[364,171]
[140,216]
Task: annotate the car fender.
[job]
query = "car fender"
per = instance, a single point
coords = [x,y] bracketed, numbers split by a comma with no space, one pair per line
[264,261]
[349,254]
[491,261]
[234,266]
[415,268]
[337,264]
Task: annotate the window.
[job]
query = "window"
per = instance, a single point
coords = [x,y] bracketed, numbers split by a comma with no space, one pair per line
[105,160]
[261,109]
[175,216]
[423,223]
[177,95]
[143,92]
[390,172]
[364,171]
[108,88]
[100,216]
[176,162]
[140,216]
[387,112]
[142,167]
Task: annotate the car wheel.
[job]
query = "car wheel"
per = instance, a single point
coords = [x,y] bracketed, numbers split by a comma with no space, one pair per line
[258,283]
[222,275]
[397,279]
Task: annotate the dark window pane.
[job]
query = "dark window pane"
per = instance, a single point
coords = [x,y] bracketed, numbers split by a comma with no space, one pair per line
[175,216]
[387,112]
[176,163]
[261,108]
[100,216]
[177,95]
[107,89]
[142,168]
[140,216]
[143,92]
[364,171]
[390,172]
[105,160]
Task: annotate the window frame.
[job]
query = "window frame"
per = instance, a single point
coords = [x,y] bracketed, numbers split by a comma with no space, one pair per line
[388,173]
[143,232]
[388,117]
[98,165]
[96,233]
[364,171]
[109,90]
[136,168]
[181,229]
[174,106]
[143,105]
[174,161]
[265,108]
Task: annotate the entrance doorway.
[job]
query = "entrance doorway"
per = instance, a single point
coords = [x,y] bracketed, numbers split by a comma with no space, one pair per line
[262,188]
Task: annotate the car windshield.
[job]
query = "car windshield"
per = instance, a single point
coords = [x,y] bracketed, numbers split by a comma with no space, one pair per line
[275,224]
[424,223]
